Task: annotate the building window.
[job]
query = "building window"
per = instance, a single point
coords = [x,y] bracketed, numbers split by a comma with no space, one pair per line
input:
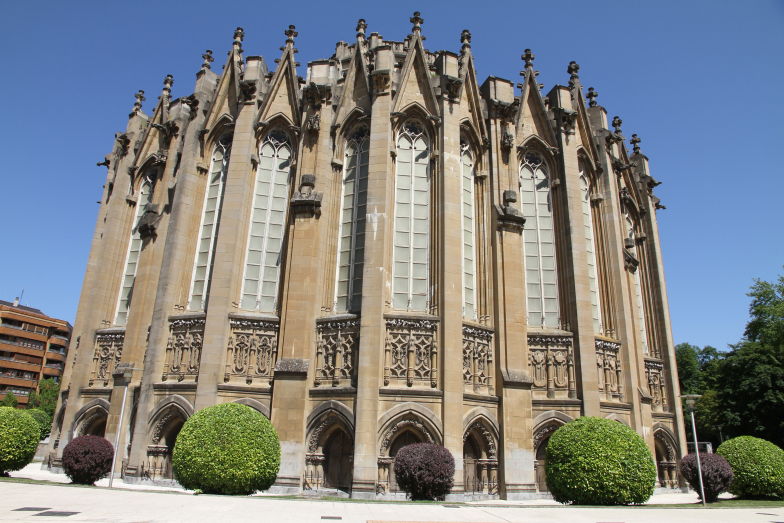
[134,250]
[268,224]
[351,240]
[539,243]
[410,288]
[590,247]
[210,220]
[469,235]
[640,306]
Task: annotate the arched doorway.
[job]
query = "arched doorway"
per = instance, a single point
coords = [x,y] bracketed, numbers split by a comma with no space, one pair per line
[399,432]
[666,463]
[92,422]
[329,461]
[164,433]
[480,462]
[541,439]
[404,439]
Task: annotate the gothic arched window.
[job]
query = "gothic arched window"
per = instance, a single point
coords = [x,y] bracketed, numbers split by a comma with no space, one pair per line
[351,239]
[411,256]
[640,306]
[539,243]
[469,232]
[591,249]
[210,220]
[267,225]
[134,250]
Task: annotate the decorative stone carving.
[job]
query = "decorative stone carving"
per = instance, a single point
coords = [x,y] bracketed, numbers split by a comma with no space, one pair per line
[313,125]
[183,351]
[654,374]
[503,110]
[337,350]
[478,359]
[247,91]
[487,437]
[108,351]
[252,351]
[306,200]
[609,369]
[551,358]
[411,352]
[509,217]
[507,140]
[545,432]
[148,222]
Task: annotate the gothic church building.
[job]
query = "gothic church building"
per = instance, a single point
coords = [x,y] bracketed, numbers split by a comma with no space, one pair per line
[384,252]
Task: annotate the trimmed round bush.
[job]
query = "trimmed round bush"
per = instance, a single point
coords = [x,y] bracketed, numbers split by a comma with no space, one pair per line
[425,470]
[757,465]
[43,419]
[19,437]
[87,459]
[596,461]
[226,449]
[716,474]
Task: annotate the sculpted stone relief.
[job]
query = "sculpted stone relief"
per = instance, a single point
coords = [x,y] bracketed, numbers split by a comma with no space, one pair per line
[478,359]
[654,373]
[609,369]
[551,358]
[252,350]
[183,351]
[411,352]
[108,351]
[337,348]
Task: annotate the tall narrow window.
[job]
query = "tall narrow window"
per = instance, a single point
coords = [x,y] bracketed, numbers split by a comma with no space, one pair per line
[469,237]
[410,288]
[351,248]
[643,330]
[590,248]
[539,243]
[210,219]
[267,226]
[134,250]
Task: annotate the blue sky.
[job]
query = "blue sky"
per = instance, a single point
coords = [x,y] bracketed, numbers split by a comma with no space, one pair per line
[699,81]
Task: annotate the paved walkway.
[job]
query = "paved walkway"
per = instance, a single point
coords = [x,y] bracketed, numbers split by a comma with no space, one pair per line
[134,503]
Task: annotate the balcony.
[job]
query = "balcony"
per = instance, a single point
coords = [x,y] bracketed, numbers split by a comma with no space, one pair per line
[55,355]
[15,330]
[17,381]
[11,363]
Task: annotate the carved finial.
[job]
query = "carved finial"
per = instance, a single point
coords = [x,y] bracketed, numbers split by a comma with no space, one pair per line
[208,59]
[616,123]
[528,57]
[417,21]
[573,69]
[465,39]
[361,26]
[291,34]
[167,85]
[592,94]
[137,105]
[635,141]
[239,34]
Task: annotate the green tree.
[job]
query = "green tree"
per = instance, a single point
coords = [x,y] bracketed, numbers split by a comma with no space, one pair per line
[689,372]
[9,400]
[46,396]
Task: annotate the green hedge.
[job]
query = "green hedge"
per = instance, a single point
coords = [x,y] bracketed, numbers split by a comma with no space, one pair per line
[757,465]
[19,437]
[596,461]
[43,419]
[227,449]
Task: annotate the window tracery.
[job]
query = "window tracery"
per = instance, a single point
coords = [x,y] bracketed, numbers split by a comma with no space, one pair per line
[469,257]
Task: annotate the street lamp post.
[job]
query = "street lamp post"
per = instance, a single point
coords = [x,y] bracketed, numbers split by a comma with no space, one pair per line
[126,371]
[690,402]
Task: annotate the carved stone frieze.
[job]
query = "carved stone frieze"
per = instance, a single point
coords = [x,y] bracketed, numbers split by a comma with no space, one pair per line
[183,351]
[411,352]
[478,359]
[108,351]
[551,359]
[654,374]
[337,351]
[609,369]
[252,351]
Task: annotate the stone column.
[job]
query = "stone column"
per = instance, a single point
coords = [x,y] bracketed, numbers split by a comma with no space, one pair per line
[375,280]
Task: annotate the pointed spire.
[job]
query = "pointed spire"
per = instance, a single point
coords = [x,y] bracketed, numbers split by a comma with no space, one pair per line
[361,26]
[635,141]
[573,69]
[239,35]
[592,95]
[528,57]
[417,21]
[291,34]
[465,40]
[137,105]
[616,123]
[167,85]
[207,59]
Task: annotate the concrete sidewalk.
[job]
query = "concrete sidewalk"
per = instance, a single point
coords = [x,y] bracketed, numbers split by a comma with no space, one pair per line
[133,503]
